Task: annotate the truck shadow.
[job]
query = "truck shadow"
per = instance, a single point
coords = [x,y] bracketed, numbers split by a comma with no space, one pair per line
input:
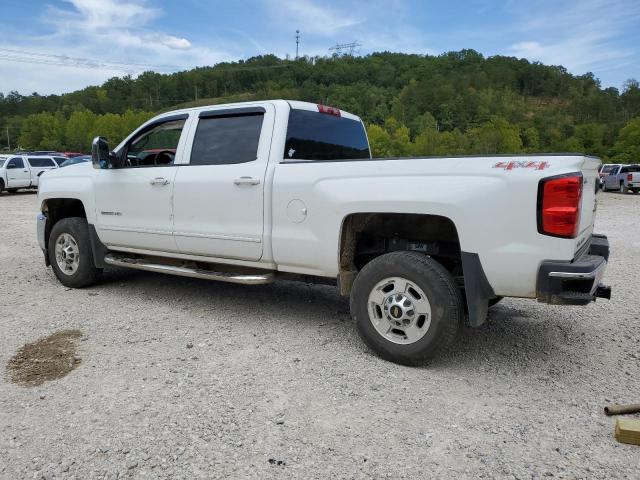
[515,333]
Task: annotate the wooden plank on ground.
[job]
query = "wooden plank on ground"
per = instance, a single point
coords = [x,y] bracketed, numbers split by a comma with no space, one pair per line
[628,431]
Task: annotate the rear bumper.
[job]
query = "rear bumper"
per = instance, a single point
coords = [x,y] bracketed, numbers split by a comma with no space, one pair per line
[577,282]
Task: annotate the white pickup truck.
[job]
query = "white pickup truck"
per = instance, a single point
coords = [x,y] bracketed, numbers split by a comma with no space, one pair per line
[23,171]
[253,192]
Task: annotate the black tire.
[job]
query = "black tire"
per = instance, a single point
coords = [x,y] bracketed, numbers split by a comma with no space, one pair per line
[1,186]
[442,294]
[623,189]
[86,273]
[495,301]
[12,190]
[635,190]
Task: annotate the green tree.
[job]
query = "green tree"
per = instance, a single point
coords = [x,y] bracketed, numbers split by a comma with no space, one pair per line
[627,147]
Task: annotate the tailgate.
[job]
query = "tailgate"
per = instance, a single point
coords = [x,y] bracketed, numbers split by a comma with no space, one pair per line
[590,189]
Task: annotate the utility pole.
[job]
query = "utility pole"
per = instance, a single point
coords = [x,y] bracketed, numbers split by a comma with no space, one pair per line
[195,89]
[297,43]
[8,139]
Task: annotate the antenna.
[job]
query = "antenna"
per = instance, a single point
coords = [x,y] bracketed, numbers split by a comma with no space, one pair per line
[346,49]
[297,42]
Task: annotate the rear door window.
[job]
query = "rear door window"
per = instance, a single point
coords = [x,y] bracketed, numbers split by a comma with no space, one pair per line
[41,162]
[321,136]
[227,140]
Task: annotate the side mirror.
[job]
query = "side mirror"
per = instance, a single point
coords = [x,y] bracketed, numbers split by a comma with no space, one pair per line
[101,157]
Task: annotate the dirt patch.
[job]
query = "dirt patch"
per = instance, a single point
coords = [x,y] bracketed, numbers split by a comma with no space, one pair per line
[48,358]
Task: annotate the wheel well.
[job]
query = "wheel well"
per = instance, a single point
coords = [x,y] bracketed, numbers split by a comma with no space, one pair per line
[58,208]
[366,236]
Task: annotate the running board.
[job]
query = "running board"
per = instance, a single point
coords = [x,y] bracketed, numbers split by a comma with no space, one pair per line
[229,277]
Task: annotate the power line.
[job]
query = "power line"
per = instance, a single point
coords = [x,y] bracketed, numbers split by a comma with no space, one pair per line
[24,56]
[346,48]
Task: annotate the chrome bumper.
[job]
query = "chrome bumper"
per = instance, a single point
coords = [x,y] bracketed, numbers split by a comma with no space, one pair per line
[41,220]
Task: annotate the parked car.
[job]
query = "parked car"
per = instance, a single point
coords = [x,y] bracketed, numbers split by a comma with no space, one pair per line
[23,171]
[75,160]
[283,189]
[604,170]
[623,178]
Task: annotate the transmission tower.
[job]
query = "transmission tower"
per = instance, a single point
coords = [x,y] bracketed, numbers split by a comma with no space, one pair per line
[297,42]
[345,49]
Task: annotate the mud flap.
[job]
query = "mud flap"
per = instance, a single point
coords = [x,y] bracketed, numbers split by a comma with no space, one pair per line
[477,288]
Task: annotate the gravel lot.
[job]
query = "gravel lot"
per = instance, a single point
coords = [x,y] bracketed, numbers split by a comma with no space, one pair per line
[185,378]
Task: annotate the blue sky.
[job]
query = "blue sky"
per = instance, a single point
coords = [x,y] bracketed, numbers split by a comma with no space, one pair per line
[58,46]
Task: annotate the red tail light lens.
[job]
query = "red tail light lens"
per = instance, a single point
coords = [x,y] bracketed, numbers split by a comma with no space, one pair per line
[329,110]
[559,206]
[629,177]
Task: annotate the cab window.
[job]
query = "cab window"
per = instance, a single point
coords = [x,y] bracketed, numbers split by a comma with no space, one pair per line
[155,146]
[15,162]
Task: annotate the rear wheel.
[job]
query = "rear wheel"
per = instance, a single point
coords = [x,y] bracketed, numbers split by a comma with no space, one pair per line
[623,189]
[70,253]
[407,307]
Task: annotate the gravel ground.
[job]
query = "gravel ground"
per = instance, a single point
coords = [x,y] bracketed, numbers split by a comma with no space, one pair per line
[184,378]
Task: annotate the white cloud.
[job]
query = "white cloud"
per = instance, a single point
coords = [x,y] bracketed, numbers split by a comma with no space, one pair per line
[582,36]
[315,19]
[106,37]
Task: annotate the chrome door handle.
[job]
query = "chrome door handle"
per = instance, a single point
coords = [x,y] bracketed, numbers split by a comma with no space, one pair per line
[159,181]
[246,181]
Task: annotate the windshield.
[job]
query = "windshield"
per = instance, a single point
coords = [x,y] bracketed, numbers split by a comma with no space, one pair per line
[608,168]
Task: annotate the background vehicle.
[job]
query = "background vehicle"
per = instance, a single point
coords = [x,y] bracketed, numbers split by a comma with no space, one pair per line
[75,160]
[623,178]
[23,171]
[247,193]
[605,170]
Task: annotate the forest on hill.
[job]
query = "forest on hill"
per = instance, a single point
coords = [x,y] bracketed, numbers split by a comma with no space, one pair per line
[454,103]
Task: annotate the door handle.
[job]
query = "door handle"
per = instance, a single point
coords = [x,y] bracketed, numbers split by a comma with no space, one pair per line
[159,181]
[246,181]
[25,171]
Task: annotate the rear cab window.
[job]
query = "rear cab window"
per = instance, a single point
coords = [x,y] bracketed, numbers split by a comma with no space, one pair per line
[324,135]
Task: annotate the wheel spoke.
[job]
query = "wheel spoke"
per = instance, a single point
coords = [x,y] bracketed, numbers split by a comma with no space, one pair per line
[377,296]
[400,285]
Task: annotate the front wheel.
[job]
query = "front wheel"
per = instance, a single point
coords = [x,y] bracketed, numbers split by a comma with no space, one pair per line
[70,253]
[407,307]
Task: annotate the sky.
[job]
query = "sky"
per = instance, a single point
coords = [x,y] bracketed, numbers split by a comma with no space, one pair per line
[58,46]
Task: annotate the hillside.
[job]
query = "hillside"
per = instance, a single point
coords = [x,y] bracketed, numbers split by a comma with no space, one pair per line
[458,102]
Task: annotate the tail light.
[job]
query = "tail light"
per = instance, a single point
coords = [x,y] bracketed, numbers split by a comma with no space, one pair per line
[559,205]
[629,177]
[329,110]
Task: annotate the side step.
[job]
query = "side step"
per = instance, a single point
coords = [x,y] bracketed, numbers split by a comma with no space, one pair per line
[230,277]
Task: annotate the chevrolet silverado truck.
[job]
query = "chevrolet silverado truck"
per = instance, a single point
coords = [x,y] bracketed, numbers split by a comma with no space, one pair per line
[253,192]
[623,178]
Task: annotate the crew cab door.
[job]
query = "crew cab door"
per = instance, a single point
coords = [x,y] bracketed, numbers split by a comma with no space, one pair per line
[611,180]
[18,173]
[219,195]
[133,202]
[39,165]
